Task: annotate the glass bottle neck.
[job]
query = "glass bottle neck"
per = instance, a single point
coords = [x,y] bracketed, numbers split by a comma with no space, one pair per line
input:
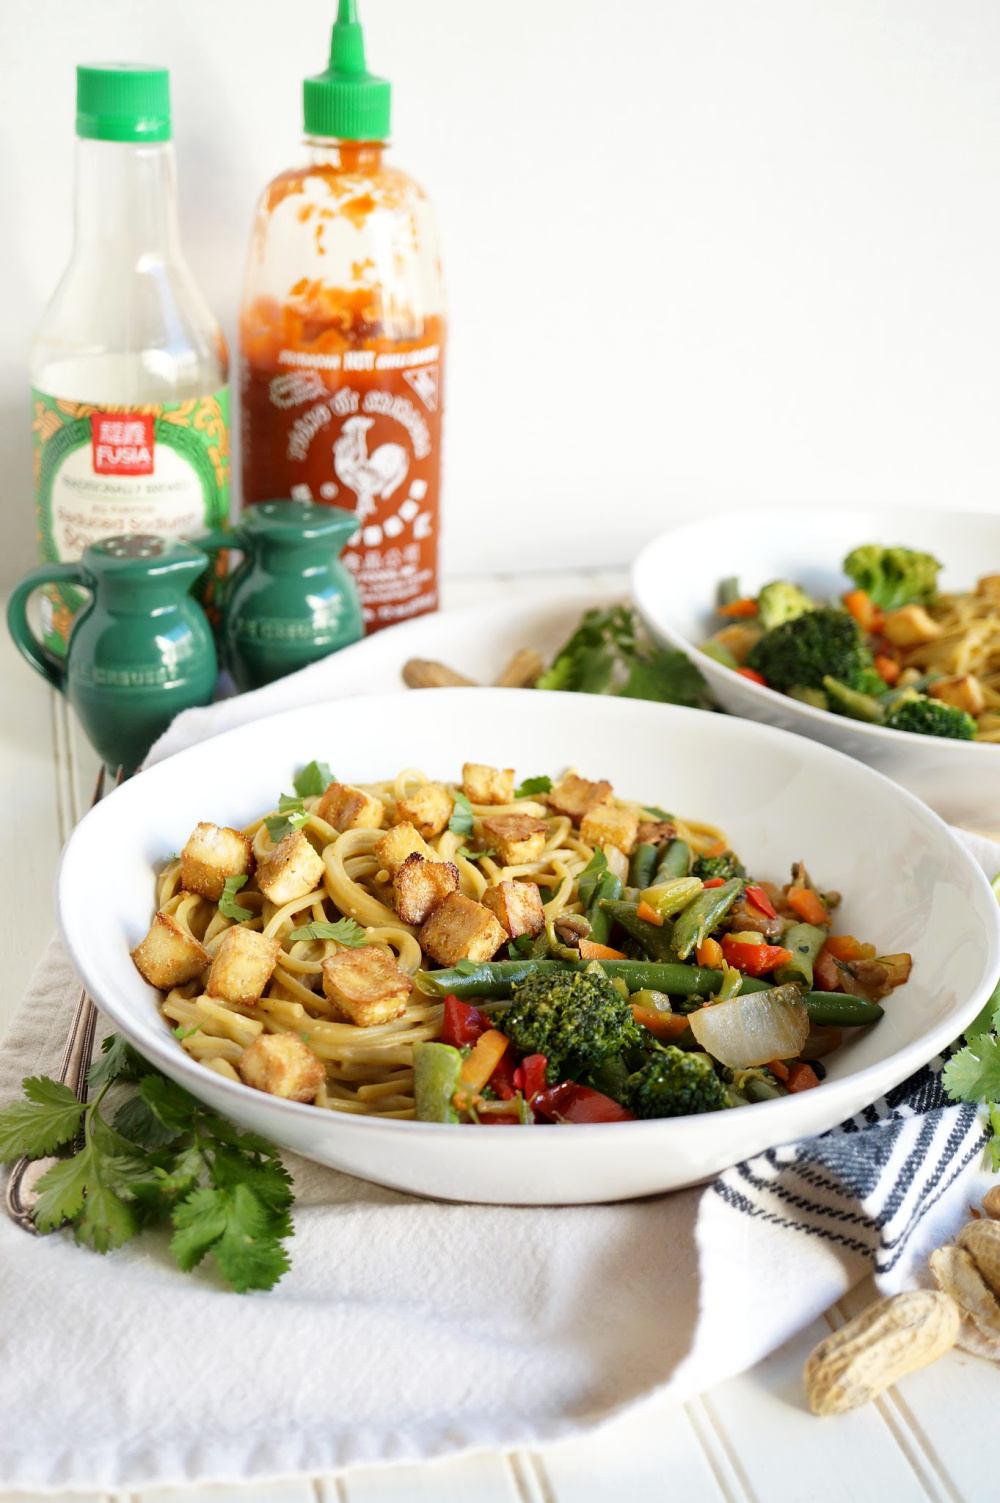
[345,156]
[126,200]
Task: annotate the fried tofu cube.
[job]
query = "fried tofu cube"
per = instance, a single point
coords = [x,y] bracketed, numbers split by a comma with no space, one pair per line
[460,929]
[348,808]
[610,824]
[487,785]
[282,1065]
[169,955]
[655,831]
[910,626]
[420,885]
[964,691]
[291,870]
[213,853]
[392,848]
[366,985]
[518,906]
[428,811]
[242,966]
[517,838]
[573,796]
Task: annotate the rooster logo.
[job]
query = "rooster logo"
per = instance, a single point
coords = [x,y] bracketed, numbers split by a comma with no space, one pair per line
[368,475]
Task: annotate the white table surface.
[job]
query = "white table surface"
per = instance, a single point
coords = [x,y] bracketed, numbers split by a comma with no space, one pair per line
[750,1440]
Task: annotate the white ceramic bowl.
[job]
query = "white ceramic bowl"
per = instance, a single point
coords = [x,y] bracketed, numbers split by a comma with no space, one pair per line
[674,584]
[908,885]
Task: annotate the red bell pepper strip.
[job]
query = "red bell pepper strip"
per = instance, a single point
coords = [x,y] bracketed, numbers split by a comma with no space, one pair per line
[462,1024]
[502,1079]
[715,882]
[533,1068]
[753,960]
[752,675]
[569,1102]
[760,899]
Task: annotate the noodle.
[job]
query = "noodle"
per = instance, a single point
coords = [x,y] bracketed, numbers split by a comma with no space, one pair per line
[368,1070]
[969,643]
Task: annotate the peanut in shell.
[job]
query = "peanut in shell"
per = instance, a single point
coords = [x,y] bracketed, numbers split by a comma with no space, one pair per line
[981,1240]
[991,1203]
[955,1272]
[886,1341]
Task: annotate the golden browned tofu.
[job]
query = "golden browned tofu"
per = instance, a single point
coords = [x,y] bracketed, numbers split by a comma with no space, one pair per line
[487,785]
[291,870]
[516,838]
[366,985]
[213,853]
[391,849]
[608,824]
[282,1065]
[428,811]
[169,955]
[964,691]
[242,966]
[460,929]
[420,885]
[348,808]
[518,906]
[910,626]
[655,831]
[573,796]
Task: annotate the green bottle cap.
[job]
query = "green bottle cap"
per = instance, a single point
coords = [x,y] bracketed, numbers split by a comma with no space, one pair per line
[122,102]
[347,101]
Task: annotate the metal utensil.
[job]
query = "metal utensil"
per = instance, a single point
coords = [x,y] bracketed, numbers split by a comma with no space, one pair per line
[19,1198]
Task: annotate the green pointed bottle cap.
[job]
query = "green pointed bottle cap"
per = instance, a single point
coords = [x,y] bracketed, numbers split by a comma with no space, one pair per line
[347,101]
[122,102]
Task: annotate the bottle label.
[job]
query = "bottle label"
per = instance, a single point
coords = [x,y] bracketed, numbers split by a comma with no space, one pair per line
[360,429]
[101,471]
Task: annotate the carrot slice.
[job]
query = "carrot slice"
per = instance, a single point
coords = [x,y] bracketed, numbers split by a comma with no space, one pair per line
[736,609]
[778,1069]
[753,676]
[663,1025]
[846,947]
[718,847]
[864,610]
[801,1077]
[479,1064]
[645,911]
[709,953]
[808,907]
[826,977]
[887,668]
[591,950]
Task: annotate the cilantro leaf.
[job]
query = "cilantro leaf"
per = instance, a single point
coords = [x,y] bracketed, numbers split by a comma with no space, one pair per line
[345,931]
[291,816]
[463,850]
[466,967]
[667,676]
[61,1189]
[461,816]
[973,1074]
[238,1229]
[533,785]
[228,906]
[313,780]
[119,1062]
[107,1221]
[523,944]
[37,1127]
[608,654]
[994,1142]
[169,1103]
[199,1221]
[136,1121]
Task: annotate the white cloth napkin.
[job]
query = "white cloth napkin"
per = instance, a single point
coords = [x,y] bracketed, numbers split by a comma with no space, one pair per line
[408,1329]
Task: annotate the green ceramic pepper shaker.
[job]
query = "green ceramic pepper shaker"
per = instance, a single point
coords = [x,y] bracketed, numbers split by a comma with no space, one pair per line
[140,650]
[291,601]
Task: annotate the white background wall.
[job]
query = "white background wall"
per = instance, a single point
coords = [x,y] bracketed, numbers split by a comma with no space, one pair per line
[699,252]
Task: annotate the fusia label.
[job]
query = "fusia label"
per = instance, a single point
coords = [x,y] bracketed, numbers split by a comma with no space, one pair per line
[101,471]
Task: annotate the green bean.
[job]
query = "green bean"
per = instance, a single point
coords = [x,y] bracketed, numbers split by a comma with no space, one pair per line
[654,940]
[729,590]
[608,889]
[701,917]
[437,1074]
[756,1089]
[841,1011]
[642,865]
[805,942]
[493,978]
[675,862]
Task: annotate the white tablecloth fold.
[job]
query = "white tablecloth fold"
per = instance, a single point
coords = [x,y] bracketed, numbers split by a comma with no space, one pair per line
[410,1329]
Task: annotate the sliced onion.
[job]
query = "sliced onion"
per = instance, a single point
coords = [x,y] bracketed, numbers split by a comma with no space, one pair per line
[754,1028]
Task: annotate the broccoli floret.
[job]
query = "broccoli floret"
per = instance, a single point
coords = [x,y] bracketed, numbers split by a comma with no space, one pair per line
[801,653]
[930,717]
[577,1019]
[893,576]
[780,601]
[725,866]
[675,1084]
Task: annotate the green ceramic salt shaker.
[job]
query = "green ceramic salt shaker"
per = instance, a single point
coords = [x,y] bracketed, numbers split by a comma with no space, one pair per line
[291,601]
[140,649]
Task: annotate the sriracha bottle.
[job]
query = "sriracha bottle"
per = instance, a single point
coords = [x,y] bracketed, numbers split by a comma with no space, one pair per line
[342,338]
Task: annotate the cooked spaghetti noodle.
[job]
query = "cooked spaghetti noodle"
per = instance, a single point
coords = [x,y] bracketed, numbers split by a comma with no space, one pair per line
[969,644]
[367,1069]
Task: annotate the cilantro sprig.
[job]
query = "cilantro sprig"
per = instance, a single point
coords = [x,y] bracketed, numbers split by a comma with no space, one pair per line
[609,654]
[461,816]
[345,931]
[973,1073]
[291,816]
[533,785]
[313,780]
[228,906]
[163,1159]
